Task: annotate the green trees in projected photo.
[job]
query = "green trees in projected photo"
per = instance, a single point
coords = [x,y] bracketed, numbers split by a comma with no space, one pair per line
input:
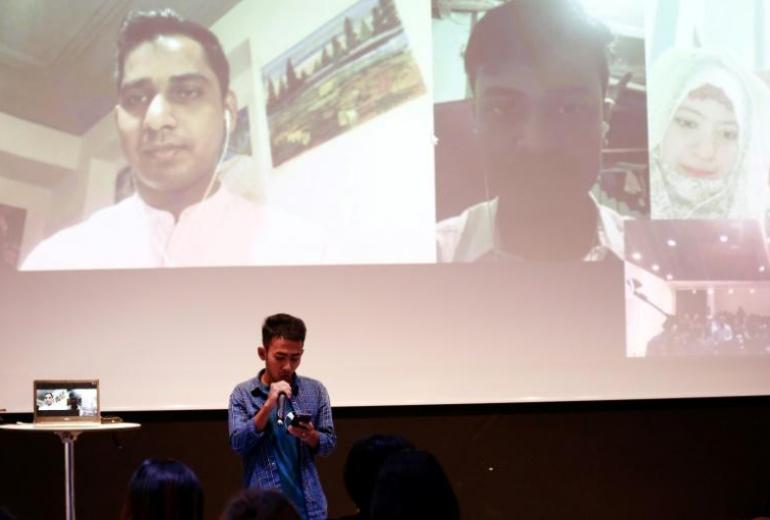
[352,68]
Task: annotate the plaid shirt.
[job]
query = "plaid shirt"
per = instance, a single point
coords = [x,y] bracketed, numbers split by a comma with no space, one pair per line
[260,468]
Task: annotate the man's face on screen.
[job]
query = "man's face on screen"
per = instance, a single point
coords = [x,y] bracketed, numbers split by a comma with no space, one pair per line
[540,125]
[170,114]
[281,357]
[48,399]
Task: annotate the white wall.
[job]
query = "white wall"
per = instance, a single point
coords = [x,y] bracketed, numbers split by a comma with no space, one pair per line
[32,144]
[372,188]
[754,298]
[643,321]
[38,143]
[35,200]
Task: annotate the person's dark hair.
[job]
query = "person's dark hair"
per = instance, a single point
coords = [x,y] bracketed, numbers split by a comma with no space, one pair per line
[412,485]
[364,462]
[145,26]
[509,31]
[259,504]
[282,326]
[163,489]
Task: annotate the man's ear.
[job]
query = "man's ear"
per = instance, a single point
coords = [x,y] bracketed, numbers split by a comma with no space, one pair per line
[262,353]
[231,107]
[116,114]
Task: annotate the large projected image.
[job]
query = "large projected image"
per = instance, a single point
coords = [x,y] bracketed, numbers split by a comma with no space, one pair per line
[206,170]
[540,121]
[439,188]
[696,281]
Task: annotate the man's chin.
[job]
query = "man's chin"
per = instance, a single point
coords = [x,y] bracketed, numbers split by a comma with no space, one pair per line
[557,209]
[168,180]
[548,230]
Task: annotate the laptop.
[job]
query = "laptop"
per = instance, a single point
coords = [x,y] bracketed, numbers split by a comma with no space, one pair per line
[65,402]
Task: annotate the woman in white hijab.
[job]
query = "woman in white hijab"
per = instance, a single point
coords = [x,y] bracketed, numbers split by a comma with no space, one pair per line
[709,138]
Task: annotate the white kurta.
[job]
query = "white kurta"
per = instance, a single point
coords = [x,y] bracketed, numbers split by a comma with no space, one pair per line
[470,236]
[226,229]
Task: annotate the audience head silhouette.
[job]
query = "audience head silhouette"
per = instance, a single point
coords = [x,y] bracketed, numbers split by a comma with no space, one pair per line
[259,504]
[412,485]
[164,489]
[364,462]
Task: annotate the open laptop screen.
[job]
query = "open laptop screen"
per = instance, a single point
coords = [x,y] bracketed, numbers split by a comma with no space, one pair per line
[66,400]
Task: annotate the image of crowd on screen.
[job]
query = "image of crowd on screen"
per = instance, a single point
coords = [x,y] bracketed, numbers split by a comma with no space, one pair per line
[723,333]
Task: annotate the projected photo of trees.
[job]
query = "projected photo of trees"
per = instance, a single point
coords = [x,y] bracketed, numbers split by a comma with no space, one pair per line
[353,68]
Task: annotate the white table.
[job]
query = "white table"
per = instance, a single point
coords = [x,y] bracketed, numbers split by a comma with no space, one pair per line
[68,433]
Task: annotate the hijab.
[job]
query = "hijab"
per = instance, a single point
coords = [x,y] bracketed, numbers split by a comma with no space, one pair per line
[742,192]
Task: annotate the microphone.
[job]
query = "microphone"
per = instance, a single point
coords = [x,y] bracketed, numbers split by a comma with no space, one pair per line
[281,408]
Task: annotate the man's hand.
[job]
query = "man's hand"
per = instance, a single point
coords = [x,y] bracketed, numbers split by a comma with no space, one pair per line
[276,389]
[306,433]
[263,415]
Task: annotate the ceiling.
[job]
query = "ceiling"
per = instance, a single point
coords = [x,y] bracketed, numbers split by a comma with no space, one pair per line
[57,58]
[699,250]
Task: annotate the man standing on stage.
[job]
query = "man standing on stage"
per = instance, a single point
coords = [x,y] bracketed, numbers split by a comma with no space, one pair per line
[277,455]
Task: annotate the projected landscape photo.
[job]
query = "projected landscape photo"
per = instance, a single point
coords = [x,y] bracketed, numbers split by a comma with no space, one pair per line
[353,68]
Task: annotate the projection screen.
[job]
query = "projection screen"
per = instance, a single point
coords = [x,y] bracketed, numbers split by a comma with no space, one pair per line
[572,206]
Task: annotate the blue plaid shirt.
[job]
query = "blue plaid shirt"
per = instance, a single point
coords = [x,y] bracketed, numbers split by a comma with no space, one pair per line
[260,468]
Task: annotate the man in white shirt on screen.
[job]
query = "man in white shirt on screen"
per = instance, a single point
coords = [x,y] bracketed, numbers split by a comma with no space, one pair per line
[174,116]
[50,404]
[538,70]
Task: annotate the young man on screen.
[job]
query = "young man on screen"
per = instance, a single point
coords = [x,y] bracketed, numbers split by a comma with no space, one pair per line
[174,115]
[50,404]
[538,70]
[282,455]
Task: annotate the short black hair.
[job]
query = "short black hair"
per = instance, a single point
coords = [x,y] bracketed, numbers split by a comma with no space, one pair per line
[145,26]
[364,461]
[517,25]
[283,326]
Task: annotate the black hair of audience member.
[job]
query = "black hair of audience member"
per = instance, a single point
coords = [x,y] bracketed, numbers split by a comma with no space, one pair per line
[145,26]
[363,463]
[259,504]
[5,514]
[494,39]
[283,326]
[163,489]
[412,485]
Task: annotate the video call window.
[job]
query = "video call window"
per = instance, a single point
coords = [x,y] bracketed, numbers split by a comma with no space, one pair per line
[66,402]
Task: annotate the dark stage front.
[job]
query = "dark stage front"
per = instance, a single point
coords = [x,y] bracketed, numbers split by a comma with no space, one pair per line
[704,458]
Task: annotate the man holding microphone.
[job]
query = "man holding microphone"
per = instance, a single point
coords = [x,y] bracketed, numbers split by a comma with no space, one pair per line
[279,421]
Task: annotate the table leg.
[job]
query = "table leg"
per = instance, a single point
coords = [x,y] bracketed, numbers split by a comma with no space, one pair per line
[68,439]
